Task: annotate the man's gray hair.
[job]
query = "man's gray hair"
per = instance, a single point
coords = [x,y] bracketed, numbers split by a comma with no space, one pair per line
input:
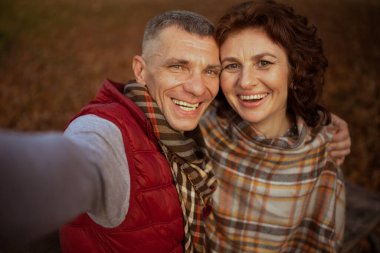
[188,21]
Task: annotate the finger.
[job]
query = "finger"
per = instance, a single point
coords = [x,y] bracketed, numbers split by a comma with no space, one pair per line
[339,153]
[340,145]
[340,126]
[337,121]
[340,131]
[341,135]
[339,161]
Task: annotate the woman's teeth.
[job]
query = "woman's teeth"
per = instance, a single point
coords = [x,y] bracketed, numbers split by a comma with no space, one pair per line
[253,97]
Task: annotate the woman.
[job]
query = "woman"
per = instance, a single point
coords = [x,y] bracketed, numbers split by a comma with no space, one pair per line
[279,191]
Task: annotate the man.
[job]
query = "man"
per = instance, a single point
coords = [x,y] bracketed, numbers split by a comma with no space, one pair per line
[111,164]
[113,161]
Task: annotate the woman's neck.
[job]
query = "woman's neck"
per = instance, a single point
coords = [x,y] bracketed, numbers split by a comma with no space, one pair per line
[272,129]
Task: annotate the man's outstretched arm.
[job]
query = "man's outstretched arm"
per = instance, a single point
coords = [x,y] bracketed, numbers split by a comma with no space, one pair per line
[45,180]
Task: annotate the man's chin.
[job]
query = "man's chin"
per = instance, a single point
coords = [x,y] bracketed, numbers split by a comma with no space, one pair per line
[183,126]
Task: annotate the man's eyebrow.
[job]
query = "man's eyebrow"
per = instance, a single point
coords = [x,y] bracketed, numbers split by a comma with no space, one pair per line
[177,61]
[214,66]
[186,62]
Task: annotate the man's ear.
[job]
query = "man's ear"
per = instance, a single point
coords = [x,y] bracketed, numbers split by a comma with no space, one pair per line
[138,66]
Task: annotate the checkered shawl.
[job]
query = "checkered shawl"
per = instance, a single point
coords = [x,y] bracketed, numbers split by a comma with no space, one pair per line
[189,164]
[274,195]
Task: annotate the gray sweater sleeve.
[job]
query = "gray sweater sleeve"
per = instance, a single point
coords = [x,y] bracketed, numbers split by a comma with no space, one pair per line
[103,143]
[45,180]
[48,179]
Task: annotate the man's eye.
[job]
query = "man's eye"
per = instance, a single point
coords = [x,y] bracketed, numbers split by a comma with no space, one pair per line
[213,72]
[176,67]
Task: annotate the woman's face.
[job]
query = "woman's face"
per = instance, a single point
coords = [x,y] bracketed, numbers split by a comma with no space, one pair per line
[255,80]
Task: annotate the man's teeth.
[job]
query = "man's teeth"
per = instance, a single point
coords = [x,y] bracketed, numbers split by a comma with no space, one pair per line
[186,106]
[253,97]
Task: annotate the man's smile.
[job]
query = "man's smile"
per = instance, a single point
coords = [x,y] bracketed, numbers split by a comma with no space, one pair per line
[185,105]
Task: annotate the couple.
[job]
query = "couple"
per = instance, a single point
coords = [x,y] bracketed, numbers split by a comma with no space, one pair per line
[134,162]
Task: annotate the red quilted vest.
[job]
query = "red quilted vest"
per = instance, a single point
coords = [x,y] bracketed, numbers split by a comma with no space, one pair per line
[154,222]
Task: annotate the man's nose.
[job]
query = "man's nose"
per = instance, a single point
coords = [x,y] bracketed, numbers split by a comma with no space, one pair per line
[248,78]
[195,85]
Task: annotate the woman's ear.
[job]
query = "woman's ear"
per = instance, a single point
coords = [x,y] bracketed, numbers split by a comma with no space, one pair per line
[138,66]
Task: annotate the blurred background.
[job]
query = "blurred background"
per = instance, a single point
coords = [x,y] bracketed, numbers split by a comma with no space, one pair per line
[54,55]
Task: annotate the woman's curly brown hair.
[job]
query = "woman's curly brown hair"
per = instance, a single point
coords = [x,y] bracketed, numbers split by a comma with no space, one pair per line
[303,48]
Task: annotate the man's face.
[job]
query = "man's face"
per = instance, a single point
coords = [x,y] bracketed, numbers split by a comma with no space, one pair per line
[182,75]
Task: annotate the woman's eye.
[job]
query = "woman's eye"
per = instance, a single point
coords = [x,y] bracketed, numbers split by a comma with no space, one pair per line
[232,67]
[264,63]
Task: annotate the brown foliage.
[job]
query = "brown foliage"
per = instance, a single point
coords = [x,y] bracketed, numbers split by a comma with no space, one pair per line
[55,54]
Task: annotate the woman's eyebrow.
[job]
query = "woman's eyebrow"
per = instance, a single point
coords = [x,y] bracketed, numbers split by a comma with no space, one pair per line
[254,57]
[230,59]
[261,55]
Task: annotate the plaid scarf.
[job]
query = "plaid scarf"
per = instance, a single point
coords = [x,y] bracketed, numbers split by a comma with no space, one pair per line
[274,195]
[190,166]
